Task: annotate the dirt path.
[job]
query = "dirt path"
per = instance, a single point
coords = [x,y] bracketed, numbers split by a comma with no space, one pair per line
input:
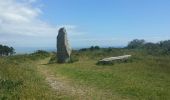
[59,84]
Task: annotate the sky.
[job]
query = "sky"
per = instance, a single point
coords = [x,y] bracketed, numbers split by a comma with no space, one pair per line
[106,23]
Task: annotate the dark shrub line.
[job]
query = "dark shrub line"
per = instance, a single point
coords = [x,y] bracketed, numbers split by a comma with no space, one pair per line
[5,50]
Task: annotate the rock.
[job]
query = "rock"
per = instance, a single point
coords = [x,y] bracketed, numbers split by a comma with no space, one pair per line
[63,47]
[111,59]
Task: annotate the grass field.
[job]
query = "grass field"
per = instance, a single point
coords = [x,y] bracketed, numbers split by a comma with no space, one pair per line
[144,77]
[20,80]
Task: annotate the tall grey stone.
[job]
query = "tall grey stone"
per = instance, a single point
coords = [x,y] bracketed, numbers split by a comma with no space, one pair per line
[63,47]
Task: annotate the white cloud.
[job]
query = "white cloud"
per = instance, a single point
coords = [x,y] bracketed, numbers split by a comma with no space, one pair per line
[12,11]
[20,25]
[20,17]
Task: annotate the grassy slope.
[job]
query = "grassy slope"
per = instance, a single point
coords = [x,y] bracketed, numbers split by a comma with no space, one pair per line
[146,77]
[19,79]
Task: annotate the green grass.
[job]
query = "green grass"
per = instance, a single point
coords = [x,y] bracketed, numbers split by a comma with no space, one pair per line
[20,80]
[145,78]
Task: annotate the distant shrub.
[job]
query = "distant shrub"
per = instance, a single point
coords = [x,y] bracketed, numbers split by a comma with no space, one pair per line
[5,50]
[83,49]
[160,48]
[94,48]
[108,49]
[152,48]
[136,43]
[39,54]
[165,45]
[42,52]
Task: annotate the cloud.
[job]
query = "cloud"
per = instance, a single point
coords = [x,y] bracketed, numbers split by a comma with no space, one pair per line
[21,18]
[12,11]
[20,25]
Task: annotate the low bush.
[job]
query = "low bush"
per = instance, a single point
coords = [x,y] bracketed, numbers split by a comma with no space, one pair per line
[39,54]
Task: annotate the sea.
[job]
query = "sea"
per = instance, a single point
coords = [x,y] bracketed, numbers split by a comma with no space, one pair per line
[28,50]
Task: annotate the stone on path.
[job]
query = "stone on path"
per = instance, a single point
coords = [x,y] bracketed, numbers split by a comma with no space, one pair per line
[63,47]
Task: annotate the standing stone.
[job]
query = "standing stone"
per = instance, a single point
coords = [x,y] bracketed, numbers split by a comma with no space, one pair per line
[63,48]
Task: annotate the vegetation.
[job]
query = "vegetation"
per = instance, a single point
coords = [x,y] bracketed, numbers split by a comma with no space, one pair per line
[5,50]
[20,79]
[160,48]
[92,48]
[144,77]
[39,54]
[136,43]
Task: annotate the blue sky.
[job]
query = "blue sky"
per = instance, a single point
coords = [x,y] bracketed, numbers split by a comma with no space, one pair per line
[34,23]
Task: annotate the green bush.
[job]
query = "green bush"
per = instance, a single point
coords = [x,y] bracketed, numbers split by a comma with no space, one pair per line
[5,50]
[160,48]
[136,43]
[39,54]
